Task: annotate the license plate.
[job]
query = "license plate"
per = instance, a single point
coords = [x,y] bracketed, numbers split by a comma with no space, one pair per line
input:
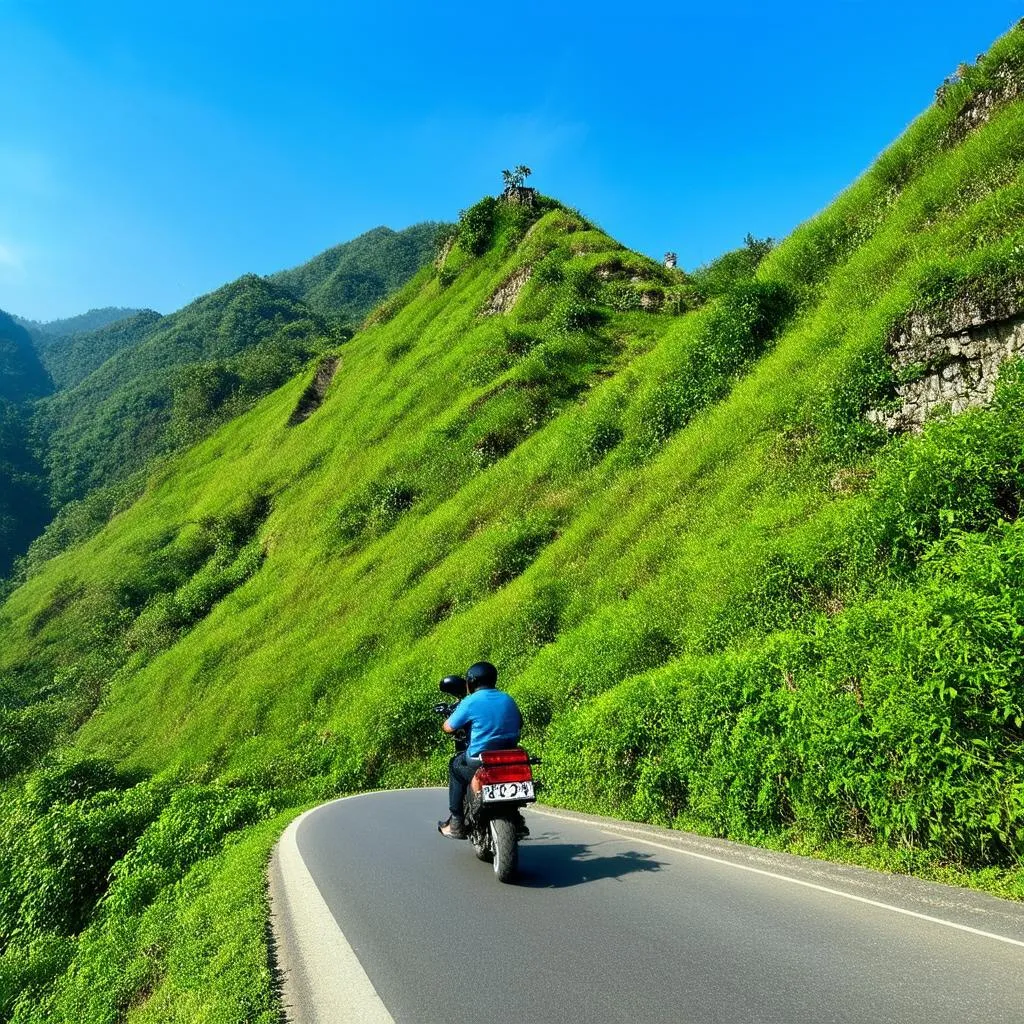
[508,791]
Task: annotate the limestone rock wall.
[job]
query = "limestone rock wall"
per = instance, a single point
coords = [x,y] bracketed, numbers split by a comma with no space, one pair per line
[505,297]
[983,104]
[951,359]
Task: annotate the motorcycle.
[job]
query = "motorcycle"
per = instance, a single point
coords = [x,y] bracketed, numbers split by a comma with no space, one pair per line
[500,789]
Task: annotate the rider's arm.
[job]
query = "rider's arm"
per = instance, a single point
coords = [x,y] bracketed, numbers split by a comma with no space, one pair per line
[459,718]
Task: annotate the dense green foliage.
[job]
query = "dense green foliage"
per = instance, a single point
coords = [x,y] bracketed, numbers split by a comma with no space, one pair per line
[732,268]
[22,375]
[346,282]
[72,358]
[24,507]
[51,331]
[723,599]
[132,892]
[191,370]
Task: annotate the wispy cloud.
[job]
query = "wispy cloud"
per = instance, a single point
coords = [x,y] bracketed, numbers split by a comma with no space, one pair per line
[10,257]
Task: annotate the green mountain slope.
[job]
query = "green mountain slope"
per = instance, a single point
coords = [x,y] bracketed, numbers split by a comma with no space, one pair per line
[50,331]
[70,359]
[346,282]
[750,565]
[22,376]
[189,371]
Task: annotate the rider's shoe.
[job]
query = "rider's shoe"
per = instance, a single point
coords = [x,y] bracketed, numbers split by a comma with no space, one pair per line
[451,829]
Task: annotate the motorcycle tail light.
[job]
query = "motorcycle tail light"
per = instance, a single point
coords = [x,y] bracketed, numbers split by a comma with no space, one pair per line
[490,774]
[514,756]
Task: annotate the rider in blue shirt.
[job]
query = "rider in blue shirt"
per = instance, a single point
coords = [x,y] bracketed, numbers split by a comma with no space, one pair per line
[493,722]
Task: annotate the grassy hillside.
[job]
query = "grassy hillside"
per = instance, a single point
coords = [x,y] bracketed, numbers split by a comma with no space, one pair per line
[346,282]
[726,598]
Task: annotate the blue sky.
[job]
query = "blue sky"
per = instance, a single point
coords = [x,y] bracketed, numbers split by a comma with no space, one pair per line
[150,153]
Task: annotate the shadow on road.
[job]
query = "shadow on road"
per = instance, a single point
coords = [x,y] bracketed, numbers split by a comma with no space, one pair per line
[560,865]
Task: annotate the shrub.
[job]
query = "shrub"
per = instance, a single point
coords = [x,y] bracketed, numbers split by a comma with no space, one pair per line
[190,828]
[476,226]
[55,865]
[28,967]
[375,509]
[730,336]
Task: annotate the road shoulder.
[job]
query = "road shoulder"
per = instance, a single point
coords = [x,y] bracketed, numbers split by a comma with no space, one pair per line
[322,980]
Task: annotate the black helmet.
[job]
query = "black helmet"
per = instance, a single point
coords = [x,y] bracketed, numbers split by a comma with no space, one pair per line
[482,674]
[454,686]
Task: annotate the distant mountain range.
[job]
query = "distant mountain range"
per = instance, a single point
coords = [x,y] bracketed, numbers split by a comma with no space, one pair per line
[94,398]
[91,321]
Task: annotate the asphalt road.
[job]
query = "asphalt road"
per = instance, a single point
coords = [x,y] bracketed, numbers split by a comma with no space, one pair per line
[615,922]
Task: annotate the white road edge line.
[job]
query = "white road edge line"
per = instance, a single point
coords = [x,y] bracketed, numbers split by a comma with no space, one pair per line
[796,881]
[330,973]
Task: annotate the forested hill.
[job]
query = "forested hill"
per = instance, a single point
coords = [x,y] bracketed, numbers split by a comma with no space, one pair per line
[22,376]
[71,358]
[23,504]
[183,373]
[346,282]
[132,386]
[46,332]
[744,545]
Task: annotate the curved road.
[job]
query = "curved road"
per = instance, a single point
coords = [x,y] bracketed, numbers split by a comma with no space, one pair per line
[616,922]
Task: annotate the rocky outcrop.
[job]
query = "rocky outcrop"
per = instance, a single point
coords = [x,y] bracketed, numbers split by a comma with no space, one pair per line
[950,360]
[978,110]
[442,253]
[520,195]
[505,297]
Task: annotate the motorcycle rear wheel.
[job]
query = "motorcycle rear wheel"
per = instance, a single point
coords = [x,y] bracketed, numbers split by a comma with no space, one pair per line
[506,849]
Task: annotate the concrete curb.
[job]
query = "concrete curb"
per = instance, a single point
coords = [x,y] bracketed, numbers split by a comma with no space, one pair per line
[322,979]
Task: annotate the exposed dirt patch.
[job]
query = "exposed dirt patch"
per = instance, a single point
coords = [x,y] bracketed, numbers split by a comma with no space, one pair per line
[442,255]
[312,398]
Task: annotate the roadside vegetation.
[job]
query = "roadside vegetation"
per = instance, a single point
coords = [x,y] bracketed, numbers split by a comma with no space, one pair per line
[725,600]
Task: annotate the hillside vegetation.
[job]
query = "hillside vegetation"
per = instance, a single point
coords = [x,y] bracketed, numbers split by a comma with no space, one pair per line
[23,505]
[22,375]
[132,386]
[727,598]
[208,360]
[347,281]
[49,331]
[69,359]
